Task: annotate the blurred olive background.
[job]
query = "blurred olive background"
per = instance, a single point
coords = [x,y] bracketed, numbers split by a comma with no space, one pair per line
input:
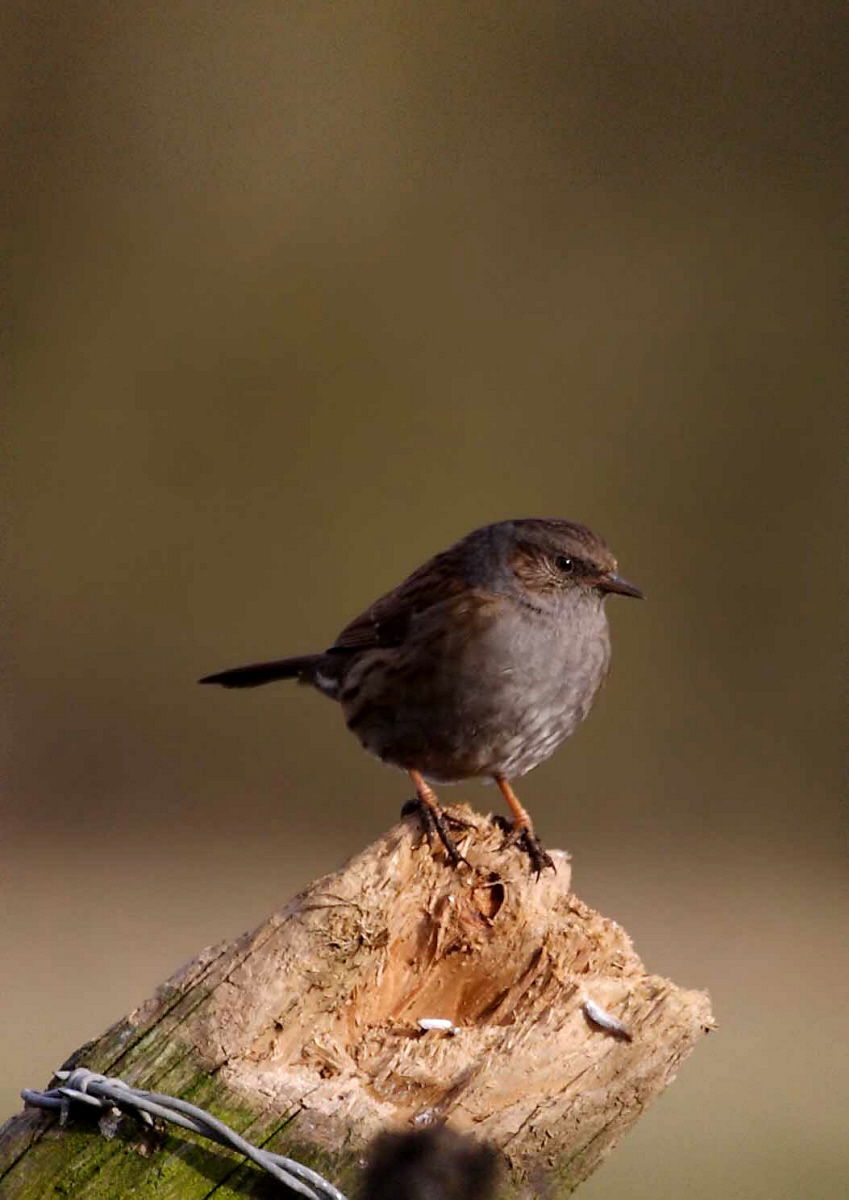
[302,292]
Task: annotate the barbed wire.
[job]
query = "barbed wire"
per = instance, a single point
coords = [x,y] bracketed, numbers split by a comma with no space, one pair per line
[104,1092]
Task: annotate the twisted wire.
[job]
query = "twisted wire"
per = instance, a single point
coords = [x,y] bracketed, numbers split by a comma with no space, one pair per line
[102,1091]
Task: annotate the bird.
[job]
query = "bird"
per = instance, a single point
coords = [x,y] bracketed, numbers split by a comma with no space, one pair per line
[478,665]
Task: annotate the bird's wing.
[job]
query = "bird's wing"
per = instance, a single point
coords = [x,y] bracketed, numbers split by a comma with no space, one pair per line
[387,621]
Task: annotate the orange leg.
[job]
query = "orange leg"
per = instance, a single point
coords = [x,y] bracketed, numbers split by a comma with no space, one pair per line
[523,829]
[433,817]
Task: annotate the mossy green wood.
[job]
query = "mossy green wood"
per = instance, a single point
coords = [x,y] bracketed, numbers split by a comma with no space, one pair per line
[38,1158]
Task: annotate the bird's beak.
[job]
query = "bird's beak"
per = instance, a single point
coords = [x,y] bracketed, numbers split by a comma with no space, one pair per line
[615,583]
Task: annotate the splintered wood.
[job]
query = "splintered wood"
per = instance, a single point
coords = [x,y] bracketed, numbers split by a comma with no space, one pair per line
[322,1006]
[399,993]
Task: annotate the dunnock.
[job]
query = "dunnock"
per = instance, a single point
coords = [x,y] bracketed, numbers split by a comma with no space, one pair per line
[479,664]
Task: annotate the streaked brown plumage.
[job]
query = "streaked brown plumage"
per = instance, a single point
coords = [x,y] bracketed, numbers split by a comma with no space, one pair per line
[479,664]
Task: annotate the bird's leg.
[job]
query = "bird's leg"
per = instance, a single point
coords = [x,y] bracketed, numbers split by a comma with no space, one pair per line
[432,817]
[523,829]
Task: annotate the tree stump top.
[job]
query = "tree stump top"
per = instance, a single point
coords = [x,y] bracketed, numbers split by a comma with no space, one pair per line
[316,1013]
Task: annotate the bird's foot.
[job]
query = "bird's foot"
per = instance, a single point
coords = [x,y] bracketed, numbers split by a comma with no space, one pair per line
[527,841]
[455,822]
[539,857]
[435,821]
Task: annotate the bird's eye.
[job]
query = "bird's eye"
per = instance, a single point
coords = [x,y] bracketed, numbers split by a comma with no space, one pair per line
[564,564]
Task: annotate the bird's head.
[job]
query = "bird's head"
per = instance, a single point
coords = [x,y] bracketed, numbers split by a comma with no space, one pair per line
[550,557]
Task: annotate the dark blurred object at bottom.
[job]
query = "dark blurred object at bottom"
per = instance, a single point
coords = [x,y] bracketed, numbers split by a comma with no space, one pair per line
[429,1164]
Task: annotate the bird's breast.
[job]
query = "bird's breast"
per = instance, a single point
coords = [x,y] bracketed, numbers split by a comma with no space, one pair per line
[494,696]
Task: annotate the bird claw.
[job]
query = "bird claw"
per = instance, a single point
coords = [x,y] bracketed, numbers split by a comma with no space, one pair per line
[527,841]
[435,821]
[456,822]
[539,857]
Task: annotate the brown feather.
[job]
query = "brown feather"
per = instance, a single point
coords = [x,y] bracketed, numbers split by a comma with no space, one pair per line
[386,622]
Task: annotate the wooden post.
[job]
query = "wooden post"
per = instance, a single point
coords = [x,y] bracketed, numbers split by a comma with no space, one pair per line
[304,1034]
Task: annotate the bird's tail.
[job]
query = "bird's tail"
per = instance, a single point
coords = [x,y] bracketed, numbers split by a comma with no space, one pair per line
[302,668]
